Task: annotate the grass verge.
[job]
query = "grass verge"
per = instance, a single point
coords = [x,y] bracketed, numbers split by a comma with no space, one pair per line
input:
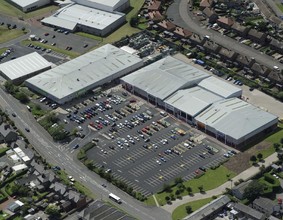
[180,212]
[280,6]
[8,9]
[210,180]
[71,54]
[9,34]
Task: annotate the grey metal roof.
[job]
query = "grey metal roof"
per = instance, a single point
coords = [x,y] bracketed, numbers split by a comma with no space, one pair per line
[164,77]
[249,211]
[209,208]
[108,3]
[86,70]
[25,3]
[235,118]
[192,101]
[24,65]
[73,14]
[220,87]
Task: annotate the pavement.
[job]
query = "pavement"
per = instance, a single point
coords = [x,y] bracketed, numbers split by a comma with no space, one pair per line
[245,175]
[182,17]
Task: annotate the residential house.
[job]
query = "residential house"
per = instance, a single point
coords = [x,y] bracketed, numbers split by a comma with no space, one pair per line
[155,16]
[211,15]
[166,25]
[260,70]
[240,30]
[26,180]
[276,21]
[46,179]
[90,212]
[276,45]
[239,190]
[182,33]
[153,5]
[225,22]
[242,211]
[196,39]
[227,54]
[275,76]
[7,135]
[211,47]
[257,36]
[66,206]
[266,206]
[205,4]
[78,200]
[59,189]
[15,206]
[244,61]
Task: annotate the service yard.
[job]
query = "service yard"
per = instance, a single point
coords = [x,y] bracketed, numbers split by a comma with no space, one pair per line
[137,143]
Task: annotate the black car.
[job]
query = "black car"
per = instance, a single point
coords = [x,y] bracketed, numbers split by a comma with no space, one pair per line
[76,146]
[14,115]
[27,129]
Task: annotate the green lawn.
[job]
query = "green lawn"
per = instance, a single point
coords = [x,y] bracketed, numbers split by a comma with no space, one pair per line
[7,35]
[210,180]
[10,10]
[180,212]
[71,54]
[280,6]
[91,36]
[3,150]
[150,201]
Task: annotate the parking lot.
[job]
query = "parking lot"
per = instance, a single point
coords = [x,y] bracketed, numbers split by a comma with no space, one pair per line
[138,144]
[100,210]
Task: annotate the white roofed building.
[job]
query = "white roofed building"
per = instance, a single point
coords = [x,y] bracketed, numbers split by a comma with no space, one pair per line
[29,5]
[159,80]
[76,17]
[188,103]
[89,71]
[106,5]
[220,87]
[235,122]
[22,68]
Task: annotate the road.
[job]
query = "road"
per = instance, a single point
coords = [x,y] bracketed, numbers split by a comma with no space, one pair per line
[55,154]
[181,16]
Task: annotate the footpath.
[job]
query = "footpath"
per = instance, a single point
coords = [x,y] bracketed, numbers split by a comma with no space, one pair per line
[245,175]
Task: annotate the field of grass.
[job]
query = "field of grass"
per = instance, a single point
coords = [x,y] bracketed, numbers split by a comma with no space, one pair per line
[7,9]
[71,54]
[280,6]
[180,212]
[210,180]
[150,201]
[7,35]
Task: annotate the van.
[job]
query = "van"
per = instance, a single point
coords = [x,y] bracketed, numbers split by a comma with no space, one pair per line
[29,108]
[163,113]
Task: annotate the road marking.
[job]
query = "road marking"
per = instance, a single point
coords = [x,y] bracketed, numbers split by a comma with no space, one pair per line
[104,162]
[137,181]
[119,171]
[182,165]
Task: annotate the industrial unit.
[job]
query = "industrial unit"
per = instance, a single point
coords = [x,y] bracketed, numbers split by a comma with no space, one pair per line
[29,5]
[235,122]
[22,68]
[89,71]
[194,96]
[91,16]
[161,79]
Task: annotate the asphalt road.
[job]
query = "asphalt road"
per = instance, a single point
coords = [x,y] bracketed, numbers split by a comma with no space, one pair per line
[57,155]
[181,15]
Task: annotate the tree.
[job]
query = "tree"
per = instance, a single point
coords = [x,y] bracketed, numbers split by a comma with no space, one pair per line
[253,158]
[22,97]
[276,146]
[200,188]
[8,26]
[189,190]
[253,190]
[281,140]
[134,21]
[167,198]
[167,187]
[189,209]
[23,28]
[52,210]
[178,180]
[259,156]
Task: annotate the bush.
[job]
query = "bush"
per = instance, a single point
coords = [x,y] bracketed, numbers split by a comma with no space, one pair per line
[269,178]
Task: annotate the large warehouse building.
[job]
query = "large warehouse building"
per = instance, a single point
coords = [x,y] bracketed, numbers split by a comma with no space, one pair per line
[194,96]
[161,79]
[89,71]
[22,68]
[106,5]
[235,121]
[75,17]
[29,5]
